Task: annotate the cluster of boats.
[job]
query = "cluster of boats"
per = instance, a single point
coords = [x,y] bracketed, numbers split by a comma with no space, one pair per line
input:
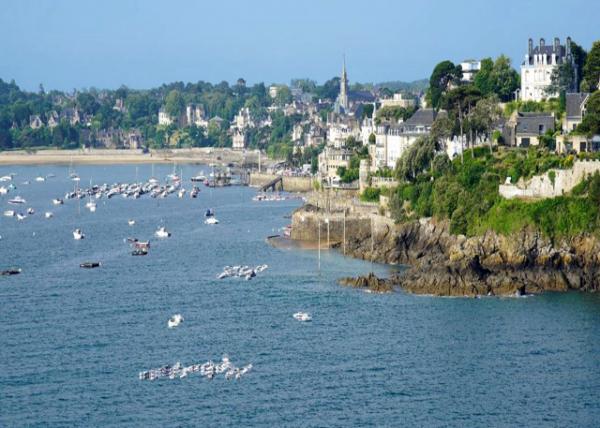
[208,370]
[271,197]
[241,271]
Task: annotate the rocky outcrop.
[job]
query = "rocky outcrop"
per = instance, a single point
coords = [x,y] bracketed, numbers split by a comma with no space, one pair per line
[370,282]
[492,264]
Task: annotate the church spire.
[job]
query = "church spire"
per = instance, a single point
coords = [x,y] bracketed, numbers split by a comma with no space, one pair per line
[343,100]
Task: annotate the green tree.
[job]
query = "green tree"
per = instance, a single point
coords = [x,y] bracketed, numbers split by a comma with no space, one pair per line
[562,80]
[483,78]
[174,104]
[591,121]
[504,78]
[444,74]
[579,58]
[591,69]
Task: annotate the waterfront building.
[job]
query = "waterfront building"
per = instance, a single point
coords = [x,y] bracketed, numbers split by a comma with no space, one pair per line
[239,139]
[538,65]
[330,159]
[391,140]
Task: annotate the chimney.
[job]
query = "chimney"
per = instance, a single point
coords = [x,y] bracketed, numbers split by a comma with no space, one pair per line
[530,46]
[556,44]
[568,47]
[542,44]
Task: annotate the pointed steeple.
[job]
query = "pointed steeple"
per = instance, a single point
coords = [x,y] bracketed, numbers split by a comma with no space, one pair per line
[343,98]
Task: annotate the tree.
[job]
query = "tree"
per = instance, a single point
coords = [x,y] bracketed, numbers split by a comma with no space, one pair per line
[284,96]
[591,121]
[485,116]
[444,74]
[591,70]
[483,78]
[579,58]
[174,104]
[459,102]
[562,80]
[504,78]
[87,103]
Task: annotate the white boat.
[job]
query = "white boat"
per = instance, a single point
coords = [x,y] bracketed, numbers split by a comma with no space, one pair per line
[78,234]
[17,200]
[130,222]
[9,213]
[181,193]
[57,201]
[30,211]
[40,179]
[48,214]
[6,178]
[199,178]
[175,320]
[21,217]
[91,205]
[3,190]
[211,220]
[302,316]
[162,233]
[75,178]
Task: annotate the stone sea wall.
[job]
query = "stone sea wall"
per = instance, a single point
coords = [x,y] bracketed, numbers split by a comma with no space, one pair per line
[290,184]
[542,186]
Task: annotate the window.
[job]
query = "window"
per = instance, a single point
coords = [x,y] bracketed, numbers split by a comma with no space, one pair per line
[524,142]
[541,129]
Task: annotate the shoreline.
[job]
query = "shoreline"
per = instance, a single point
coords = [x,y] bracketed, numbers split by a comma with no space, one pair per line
[202,155]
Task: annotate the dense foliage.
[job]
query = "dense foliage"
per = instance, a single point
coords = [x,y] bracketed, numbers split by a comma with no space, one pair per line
[467,195]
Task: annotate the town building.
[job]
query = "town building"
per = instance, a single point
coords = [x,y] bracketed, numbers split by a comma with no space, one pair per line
[330,159]
[575,110]
[469,67]
[163,117]
[537,67]
[524,129]
[194,115]
[391,140]
[399,100]
[71,115]
[53,119]
[35,121]
[239,139]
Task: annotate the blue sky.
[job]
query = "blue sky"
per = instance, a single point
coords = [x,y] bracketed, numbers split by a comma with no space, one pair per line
[68,44]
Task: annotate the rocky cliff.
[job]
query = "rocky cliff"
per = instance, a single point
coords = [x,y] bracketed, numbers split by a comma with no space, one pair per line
[492,264]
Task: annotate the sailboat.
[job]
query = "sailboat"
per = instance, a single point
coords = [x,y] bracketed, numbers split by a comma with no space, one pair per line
[152,179]
[91,205]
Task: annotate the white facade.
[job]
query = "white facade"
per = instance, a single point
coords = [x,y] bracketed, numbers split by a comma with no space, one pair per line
[537,67]
[398,100]
[239,140]
[164,118]
[338,133]
[469,69]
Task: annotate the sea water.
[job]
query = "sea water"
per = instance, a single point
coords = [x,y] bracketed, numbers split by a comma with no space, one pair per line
[72,341]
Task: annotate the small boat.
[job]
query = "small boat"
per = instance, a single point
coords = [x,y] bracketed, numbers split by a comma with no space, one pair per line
[91,206]
[130,222]
[40,179]
[78,234]
[211,220]
[90,265]
[48,214]
[21,217]
[132,240]
[139,252]
[3,190]
[198,178]
[12,271]
[142,245]
[162,233]
[9,213]
[181,193]
[209,212]
[302,316]
[17,200]
[175,320]
[57,201]
[6,178]
[30,211]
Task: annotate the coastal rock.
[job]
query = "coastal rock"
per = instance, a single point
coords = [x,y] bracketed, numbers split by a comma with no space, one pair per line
[370,282]
[454,265]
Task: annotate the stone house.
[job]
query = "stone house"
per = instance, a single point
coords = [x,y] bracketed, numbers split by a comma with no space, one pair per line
[524,129]
[35,121]
[575,110]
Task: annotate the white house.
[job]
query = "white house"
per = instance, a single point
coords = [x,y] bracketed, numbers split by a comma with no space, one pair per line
[537,67]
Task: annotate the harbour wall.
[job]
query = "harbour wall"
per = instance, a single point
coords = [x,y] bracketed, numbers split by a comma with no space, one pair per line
[290,184]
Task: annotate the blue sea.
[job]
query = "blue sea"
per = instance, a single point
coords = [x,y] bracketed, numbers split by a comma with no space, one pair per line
[72,341]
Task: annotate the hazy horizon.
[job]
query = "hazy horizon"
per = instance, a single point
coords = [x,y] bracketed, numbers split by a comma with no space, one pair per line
[142,44]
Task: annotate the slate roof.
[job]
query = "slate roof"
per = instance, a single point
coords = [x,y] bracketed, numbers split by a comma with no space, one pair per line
[529,123]
[575,103]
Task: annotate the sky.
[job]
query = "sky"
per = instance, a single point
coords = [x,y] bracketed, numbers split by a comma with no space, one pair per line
[67,44]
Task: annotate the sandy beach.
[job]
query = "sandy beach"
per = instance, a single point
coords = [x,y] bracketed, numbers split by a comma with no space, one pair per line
[108,156]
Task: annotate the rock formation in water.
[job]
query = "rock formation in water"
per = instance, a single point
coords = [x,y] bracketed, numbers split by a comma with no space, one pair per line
[369,282]
[454,265]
